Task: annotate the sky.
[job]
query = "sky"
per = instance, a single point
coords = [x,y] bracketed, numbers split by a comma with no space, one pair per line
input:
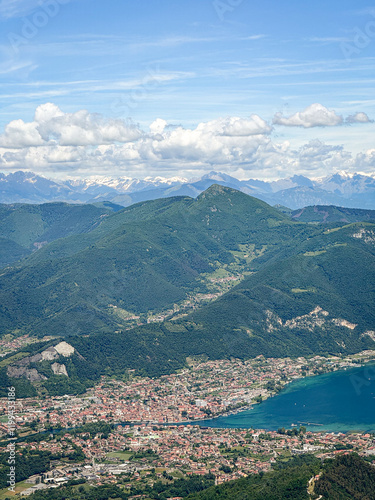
[180,87]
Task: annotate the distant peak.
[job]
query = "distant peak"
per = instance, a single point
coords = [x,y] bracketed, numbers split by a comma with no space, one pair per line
[216,189]
[219,176]
[301,180]
[342,175]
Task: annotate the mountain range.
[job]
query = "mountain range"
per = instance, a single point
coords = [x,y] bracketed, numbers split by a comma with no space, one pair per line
[220,275]
[340,189]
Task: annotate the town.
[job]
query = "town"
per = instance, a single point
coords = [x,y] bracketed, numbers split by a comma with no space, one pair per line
[137,429]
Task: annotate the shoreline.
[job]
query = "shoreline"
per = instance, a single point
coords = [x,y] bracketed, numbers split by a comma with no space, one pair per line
[249,407]
[286,385]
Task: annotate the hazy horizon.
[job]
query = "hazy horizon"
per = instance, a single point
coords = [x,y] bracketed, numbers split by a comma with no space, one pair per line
[95,177]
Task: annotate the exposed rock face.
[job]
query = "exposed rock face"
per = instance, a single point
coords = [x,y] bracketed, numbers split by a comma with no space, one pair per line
[49,354]
[367,236]
[29,359]
[64,349]
[370,333]
[316,318]
[59,369]
[344,322]
[20,368]
[20,372]
[61,349]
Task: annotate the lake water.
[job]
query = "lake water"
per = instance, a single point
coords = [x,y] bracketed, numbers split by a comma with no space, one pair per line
[340,401]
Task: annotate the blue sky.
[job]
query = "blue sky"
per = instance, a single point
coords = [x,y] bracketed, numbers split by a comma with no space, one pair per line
[197,65]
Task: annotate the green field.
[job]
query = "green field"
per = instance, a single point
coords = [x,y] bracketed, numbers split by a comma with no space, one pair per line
[122,455]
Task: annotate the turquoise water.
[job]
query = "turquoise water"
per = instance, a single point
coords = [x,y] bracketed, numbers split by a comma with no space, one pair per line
[340,401]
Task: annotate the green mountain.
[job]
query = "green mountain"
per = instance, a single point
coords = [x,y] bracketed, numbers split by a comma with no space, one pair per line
[323,214]
[347,477]
[108,205]
[26,228]
[147,257]
[318,301]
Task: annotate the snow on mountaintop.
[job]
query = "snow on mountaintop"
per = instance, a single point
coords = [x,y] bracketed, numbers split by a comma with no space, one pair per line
[124,184]
[355,190]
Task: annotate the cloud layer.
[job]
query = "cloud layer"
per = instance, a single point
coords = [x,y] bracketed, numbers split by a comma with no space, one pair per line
[81,143]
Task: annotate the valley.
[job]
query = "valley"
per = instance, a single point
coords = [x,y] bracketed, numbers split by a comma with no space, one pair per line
[124,332]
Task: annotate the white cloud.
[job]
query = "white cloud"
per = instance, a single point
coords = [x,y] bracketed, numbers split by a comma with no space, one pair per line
[365,161]
[83,142]
[316,155]
[82,128]
[19,134]
[238,127]
[47,112]
[315,115]
[158,126]
[358,118]
[218,141]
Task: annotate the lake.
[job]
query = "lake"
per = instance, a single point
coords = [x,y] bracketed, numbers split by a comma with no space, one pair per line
[339,401]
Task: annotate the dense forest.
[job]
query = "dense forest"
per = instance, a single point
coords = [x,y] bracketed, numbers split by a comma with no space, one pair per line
[348,477]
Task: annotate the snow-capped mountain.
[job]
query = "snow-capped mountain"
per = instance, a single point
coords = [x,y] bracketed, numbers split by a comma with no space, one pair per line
[350,190]
[347,184]
[26,187]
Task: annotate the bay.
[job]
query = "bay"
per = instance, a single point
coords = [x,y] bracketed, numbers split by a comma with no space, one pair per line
[340,401]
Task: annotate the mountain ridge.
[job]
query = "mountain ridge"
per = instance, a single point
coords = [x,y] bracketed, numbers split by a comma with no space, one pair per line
[340,189]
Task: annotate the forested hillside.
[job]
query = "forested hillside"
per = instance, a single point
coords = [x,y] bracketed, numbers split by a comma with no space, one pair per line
[145,258]
[323,214]
[27,228]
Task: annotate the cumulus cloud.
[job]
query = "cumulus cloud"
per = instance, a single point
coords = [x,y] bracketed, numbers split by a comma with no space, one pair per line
[237,127]
[317,155]
[318,115]
[218,141]
[47,112]
[158,126]
[358,118]
[315,115]
[81,128]
[19,134]
[83,142]
[52,126]
[365,161]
